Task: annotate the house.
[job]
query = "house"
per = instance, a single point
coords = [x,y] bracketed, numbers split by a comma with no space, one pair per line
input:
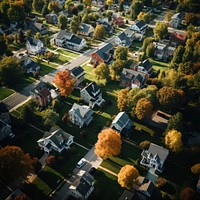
[4,113]
[69,40]
[103,55]
[177,39]
[176,20]
[130,33]
[123,124]
[60,2]
[154,157]
[92,95]
[144,67]
[79,74]
[44,93]
[51,18]
[132,79]
[140,27]
[127,6]
[118,21]
[106,24]
[80,115]
[56,139]
[123,40]
[40,28]
[85,30]
[29,65]
[5,130]
[82,187]
[35,46]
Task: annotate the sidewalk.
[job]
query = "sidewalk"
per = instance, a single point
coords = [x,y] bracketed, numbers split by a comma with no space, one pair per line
[107,170]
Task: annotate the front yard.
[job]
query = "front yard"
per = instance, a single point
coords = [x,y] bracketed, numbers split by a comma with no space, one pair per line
[67,53]
[5,92]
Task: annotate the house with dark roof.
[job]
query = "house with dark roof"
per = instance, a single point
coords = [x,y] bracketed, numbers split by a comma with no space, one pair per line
[92,95]
[83,187]
[118,21]
[139,26]
[154,157]
[51,18]
[69,40]
[44,93]
[123,124]
[4,113]
[80,115]
[35,46]
[176,20]
[104,54]
[29,65]
[131,78]
[106,24]
[56,139]
[123,40]
[79,74]
[5,130]
[85,30]
[130,33]
[39,28]
[177,39]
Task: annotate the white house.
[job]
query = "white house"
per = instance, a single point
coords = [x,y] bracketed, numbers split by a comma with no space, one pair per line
[122,123]
[69,40]
[92,95]
[79,74]
[154,157]
[34,46]
[82,187]
[85,30]
[140,27]
[123,39]
[56,139]
[80,115]
[176,20]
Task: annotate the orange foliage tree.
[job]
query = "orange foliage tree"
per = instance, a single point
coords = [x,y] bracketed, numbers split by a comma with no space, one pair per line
[196,169]
[108,144]
[65,82]
[127,175]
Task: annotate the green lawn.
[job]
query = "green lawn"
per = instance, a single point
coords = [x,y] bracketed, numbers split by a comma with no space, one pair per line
[61,60]
[67,53]
[5,92]
[159,65]
[46,68]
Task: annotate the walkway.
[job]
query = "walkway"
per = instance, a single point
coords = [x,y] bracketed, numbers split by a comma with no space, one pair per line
[107,170]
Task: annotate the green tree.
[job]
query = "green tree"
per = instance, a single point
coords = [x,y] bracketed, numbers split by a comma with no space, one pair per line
[177,57]
[53,7]
[3,46]
[45,10]
[109,2]
[74,24]
[62,22]
[88,3]
[16,12]
[146,42]
[116,69]
[121,5]
[147,3]
[27,114]
[160,31]
[37,5]
[136,8]
[121,53]
[144,16]
[85,18]
[99,32]
[101,71]
[150,50]
[50,117]
[13,163]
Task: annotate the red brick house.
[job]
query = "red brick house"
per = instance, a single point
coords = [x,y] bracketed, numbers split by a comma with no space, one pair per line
[177,39]
[105,54]
[118,21]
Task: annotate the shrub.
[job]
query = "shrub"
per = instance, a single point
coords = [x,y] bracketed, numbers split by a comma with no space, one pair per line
[144,144]
[50,160]
[160,182]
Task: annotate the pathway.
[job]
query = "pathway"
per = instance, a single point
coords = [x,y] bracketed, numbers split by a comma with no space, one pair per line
[107,170]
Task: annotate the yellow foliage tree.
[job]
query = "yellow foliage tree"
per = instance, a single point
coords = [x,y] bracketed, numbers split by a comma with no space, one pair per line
[196,169]
[173,141]
[127,175]
[108,144]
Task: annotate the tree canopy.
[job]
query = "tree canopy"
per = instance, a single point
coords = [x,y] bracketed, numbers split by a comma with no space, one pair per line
[101,71]
[62,22]
[160,30]
[50,117]
[116,68]
[121,53]
[99,32]
[74,24]
[196,169]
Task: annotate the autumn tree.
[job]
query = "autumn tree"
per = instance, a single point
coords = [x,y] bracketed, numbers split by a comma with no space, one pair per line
[109,2]
[121,53]
[146,42]
[101,71]
[85,18]
[143,108]
[62,22]
[74,24]
[160,31]
[65,82]
[145,145]
[127,176]
[99,32]
[16,11]
[189,194]
[177,57]
[196,169]
[136,8]
[173,141]
[150,50]
[123,100]
[108,144]
[116,69]
[14,163]
[50,160]
[38,5]
[50,117]
[144,16]
[88,3]
[53,6]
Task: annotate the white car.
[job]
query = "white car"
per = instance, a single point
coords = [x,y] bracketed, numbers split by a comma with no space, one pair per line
[12,135]
[81,163]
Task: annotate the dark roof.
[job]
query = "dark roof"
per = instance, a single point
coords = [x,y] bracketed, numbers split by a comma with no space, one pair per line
[126,3]
[140,24]
[124,37]
[33,41]
[2,124]
[77,70]
[92,89]
[83,187]
[105,52]
[75,39]
[127,195]
[146,64]
[63,33]
[44,85]
[32,65]
[38,26]
[84,28]
[127,75]
[140,78]
[3,107]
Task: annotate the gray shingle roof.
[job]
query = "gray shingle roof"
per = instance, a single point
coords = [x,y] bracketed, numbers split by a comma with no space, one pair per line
[124,37]
[127,75]
[93,89]
[82,111]
[33,41]
[63,33]
[84,27]
[140,24]
[121,119]
[146,64]
[105,52]
[77,70]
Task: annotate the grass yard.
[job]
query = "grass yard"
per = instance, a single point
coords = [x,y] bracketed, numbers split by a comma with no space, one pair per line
[159,65]
[5,92]
[61,60]
[149,32]
[136,45]
[46,68]
[67,53]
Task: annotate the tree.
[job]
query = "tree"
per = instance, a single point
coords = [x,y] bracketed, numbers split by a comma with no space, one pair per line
[108,144]
[99,32]
[150,50]
[121,53]
[27,114]
[143,108]
[121,5]
[136,8]
[101,71]
[196,169]
[127,176]
[62,22]
[14,163]
[160,30]
[144,16]
[116,68]
[189,194]
[50,117]
[16,12]
[177,57]
[145,145]
[53,6]
[109,2]
[173,141]
[147,3]
[21,36]
[123,100]
[45,10]
[88,3]
[56,105]
[3,45]
[85,18]
[65,82]
[146,42]
[74,24]
[37,5]
[10,71]
[50,160]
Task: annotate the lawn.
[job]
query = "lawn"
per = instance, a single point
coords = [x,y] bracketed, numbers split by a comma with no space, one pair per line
[46,68]
[136,45]
[5,92]
[68,53]
[159,65]
[61,60]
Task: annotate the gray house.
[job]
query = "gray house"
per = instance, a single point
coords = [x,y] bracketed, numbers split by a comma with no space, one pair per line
[176,20]
[79,74]
[51,18]
[85,30]
[5,130]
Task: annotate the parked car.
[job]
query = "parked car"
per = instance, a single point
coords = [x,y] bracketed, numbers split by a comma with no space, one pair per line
[11,135]
[81,163]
